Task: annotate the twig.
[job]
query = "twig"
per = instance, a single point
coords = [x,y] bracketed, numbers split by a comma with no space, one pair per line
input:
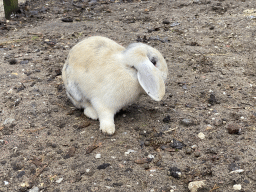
[214,188]
[34,130]
[40,171]
[93,146]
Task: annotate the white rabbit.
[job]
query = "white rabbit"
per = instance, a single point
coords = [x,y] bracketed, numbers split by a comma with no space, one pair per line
[102,77]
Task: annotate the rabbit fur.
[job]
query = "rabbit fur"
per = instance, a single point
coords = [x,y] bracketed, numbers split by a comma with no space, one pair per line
[102,77]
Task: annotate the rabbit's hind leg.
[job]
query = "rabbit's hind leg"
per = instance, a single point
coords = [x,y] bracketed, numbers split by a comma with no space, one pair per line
[79,100]
[89,111]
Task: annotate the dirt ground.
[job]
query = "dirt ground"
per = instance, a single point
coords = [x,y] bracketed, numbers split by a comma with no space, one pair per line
[203,129]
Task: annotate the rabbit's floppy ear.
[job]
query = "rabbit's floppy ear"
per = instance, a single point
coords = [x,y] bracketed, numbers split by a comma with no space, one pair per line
[150,80]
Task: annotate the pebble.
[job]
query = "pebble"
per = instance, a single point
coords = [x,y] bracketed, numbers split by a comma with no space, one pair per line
[98,156]
[167,119]
[166,22]
[174,24]
[146,166]
[8,121]
[212,100]
[217,121]
[187,122]
[237,187]
[20,174]
[6,182]
[195,185]
[208,127]
[59,180]
[26,184]
[147,143]
[201,135]
[67,19]
[177,144]
[197,154]
[34,189]
[13,61]
[103,166]
[151,156]
[237,171]
[129,151]
[233,128]
[174,172]
[70,153]
[188,151]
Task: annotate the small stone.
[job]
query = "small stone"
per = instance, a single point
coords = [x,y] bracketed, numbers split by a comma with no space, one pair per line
[20,174]
[67,19]
[195,185]
[208,127]
[246,181]
[237,187]
[174,172]
[129,151]
[103,166]
[147,143]
[117,184]
[177,144]
[70,152]
[6,182]
[98,156]
[233,128]
[211,28]
[237,171]
[26,184]
[166,22]
[201,135]
[184,87]
[8,121]
[197,154]
[174,24]
[188,151]
[24,62]
[187,122]
[167,119]
[13,61]
[212,100]
[59,180]
[217,121]
[146,166]
[34,189]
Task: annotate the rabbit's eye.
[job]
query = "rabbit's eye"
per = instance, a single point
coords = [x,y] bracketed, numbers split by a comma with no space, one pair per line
[153,60]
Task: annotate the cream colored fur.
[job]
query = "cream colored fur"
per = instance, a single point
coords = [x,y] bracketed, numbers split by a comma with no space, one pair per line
[102,77]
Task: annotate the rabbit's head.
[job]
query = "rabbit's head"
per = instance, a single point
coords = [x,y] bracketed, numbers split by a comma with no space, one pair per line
[151,68]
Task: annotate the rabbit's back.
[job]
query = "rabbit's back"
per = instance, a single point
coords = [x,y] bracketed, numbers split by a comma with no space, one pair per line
[93,52]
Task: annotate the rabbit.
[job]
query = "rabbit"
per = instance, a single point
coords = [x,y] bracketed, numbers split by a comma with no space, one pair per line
[102,77]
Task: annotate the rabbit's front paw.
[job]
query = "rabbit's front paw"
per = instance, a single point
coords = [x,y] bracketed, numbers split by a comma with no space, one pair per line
[107,128]
[91,113]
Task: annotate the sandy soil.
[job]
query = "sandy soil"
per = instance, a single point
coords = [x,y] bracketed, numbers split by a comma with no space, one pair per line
[203,129]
